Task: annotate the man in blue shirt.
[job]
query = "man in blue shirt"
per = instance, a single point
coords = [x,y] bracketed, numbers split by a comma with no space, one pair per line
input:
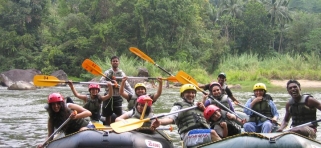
[263,104]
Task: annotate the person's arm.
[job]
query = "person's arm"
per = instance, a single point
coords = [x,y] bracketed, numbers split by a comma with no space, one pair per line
[231,105]
[124,116]
[248,105]
[256,100]
[230,94]
[123,93]
[314,103]
[286,118]
[76,94]
[274,111]
[81,112]
[50,129]
[110,92]
[225,130]
[233,117]
[204,99]
[159,90]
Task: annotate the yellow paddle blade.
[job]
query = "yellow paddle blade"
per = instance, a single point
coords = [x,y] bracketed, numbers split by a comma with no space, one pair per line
[92,67]
[127,125]
[141,54]
[100,126]
[184,78]
[45,80]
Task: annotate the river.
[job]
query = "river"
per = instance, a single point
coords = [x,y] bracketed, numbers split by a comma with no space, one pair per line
[23,119]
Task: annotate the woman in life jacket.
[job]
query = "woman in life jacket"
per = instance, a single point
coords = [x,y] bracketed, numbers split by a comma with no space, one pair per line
[93,100]
[263,104]
[216,93]
[140,89]
[59,112]
[140,112]
[222,121]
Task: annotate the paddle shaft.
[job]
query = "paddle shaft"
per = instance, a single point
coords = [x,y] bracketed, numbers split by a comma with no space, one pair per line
[150,78]
[305,124]
[221,105]
[62,125]
[257,113]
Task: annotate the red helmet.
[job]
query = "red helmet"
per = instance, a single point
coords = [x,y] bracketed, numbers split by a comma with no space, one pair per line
[94,86]
[142,99]
[55,97]
[215,83]
[210,110]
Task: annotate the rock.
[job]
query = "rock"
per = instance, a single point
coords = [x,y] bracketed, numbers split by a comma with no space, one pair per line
[10,77]
[61,75]
[21,85]
[143,72]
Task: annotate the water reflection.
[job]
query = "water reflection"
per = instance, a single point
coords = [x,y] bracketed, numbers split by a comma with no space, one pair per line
[23,119]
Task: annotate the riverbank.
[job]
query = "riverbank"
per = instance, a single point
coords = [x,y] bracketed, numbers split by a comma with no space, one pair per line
[304,83]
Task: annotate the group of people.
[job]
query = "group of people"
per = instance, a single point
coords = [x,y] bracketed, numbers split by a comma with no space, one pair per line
[211,119]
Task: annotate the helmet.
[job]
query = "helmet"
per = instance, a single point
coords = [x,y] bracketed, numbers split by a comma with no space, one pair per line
[142,99]
[215,83]
[140,85]
[210,110]
[187,87]
[93,86]
[55,97]
[259,86]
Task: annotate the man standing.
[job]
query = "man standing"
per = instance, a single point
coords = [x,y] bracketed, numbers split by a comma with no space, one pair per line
[221,78]
[114,104]
[302,109]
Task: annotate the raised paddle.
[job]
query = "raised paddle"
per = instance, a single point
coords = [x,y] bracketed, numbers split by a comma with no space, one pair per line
[133,123]
[257,113]
[45,80]
[305,124]
[58,129]
[93,68]
[184,78]
[147,58]
[171,78]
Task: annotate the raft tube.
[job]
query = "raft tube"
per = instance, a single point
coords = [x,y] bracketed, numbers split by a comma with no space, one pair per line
[102,139]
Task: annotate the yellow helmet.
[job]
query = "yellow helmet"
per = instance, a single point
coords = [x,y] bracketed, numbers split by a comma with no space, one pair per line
[140,85]
[259,86]
[187,87]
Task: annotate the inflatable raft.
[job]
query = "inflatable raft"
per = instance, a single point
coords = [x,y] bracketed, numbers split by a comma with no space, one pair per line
[264,140]
[100,139]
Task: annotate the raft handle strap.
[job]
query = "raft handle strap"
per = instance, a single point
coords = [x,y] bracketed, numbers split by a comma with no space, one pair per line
[272,140]
[105,136]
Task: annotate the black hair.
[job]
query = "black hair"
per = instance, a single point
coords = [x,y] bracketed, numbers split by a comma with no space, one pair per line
[113,57]
[57,118]
[292,81]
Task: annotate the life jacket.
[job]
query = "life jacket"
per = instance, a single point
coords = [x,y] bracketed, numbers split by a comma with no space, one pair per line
[112,74]
[232,126]
[223,99]
[300,112]
[190,119]
[137,115]
[133,99]
[73,125]
[94,106]
[262,107]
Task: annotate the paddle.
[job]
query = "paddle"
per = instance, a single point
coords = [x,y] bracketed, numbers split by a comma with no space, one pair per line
[171,78]
[147,58]
[133,123]
[257,113]
[58,129]
[100,126]
[45,80]
[93,68]
[305,124]
[184,78]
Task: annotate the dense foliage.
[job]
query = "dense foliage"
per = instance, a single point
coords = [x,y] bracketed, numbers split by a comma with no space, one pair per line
[57,34]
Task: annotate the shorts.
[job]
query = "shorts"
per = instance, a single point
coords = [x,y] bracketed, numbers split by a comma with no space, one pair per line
[197,136]
[112,105]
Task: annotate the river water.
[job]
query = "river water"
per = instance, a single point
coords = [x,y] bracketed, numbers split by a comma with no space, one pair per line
[23,119]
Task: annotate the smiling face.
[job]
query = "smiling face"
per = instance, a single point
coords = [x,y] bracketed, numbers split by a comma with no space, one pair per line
[216,91]
[94,91]
[294,90]
[140,91]
[55,106]
[189,95]
[259,92]
[221,79]
[115,63]
[216,116]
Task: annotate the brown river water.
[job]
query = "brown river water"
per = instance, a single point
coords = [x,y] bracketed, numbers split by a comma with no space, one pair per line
[23,119]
